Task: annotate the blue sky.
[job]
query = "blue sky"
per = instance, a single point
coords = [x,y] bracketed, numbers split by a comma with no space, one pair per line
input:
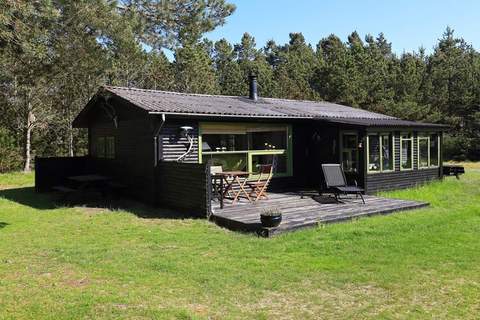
[408,24]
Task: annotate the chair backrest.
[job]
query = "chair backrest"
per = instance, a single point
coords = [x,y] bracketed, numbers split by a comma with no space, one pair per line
[334,175]
[216,169]
[266,172]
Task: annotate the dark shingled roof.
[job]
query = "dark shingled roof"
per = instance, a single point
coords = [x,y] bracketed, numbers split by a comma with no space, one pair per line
[154,102]
[202,104]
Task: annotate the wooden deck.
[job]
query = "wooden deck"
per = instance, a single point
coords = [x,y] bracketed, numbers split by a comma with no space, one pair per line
[304,212]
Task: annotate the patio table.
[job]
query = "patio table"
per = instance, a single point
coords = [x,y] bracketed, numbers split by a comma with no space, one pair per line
[228,180]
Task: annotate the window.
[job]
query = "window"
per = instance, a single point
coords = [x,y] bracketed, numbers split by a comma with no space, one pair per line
[110,147]
[387,151]
[434,150]
[100,147]
[428,150]
[373,153]
[380,152]
[406,151]
[349,143]
[240,146]
[105,147]
[423,151]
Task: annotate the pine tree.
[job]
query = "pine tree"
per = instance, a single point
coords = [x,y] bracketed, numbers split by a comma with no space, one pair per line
[230,76]
[194,70]
[294,72]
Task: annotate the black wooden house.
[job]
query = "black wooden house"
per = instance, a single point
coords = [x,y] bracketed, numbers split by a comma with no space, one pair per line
[160,143]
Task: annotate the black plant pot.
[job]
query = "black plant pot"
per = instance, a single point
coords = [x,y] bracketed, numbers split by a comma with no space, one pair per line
[270,221]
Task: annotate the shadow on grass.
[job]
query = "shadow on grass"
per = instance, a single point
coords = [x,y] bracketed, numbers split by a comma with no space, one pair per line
[47,201]
[3,224]
[28,197]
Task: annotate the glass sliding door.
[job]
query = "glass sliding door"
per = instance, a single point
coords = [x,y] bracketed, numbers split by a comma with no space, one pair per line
[349,152]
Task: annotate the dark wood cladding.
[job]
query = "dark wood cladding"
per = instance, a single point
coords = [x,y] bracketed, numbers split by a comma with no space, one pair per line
[134,149]
[53,171]
[400,179]
[172,145]
[184,186]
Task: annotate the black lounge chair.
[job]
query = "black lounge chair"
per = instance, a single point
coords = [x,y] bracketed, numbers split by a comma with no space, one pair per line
[335,180]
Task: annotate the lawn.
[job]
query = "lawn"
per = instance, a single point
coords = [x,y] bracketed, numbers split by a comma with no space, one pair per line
[58,263]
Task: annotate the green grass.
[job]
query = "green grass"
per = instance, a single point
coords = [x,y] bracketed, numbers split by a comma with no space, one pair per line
[64,263]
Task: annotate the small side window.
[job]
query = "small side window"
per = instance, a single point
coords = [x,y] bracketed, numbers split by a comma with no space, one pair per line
[100,147]
[110,147]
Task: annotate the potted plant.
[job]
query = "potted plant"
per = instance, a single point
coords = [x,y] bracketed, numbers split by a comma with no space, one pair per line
[271,218]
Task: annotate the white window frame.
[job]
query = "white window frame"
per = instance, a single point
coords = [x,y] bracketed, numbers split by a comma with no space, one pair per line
[427,136]
[392,141]
[411,147]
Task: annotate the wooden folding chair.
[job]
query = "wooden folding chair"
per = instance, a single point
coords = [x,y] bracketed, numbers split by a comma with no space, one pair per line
[259,187]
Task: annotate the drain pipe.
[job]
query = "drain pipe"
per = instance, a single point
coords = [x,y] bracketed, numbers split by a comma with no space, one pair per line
[156,143]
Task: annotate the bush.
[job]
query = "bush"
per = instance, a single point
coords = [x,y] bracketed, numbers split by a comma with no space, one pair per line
[10,158]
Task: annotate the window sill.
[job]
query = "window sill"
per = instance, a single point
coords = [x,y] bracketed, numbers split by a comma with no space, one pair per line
[377,172]
[426,168]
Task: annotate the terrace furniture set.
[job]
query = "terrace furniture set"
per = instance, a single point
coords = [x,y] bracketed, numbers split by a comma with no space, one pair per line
[234,184]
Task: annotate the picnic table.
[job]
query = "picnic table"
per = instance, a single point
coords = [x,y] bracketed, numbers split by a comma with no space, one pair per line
[81,183]
[453,170]
[89,180]
[227,181]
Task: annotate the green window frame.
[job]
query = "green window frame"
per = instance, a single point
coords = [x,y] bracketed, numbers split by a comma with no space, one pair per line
[427,138]
[349,155]
[406,137]
[381,150]
[250,155]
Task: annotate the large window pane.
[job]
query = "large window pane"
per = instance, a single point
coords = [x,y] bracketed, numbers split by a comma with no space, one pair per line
[434,150]
[268,140]
[373,153]
[229,161]
[406,152]
[349,152]
[278,160]
[423,152]
[242,146]
[224,142]
[387,152]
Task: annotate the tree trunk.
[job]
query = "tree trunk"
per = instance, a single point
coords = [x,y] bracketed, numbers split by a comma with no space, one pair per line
[70,140]
[28,136]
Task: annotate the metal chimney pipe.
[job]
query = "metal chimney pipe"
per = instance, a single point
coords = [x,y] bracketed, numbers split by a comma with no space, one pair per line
[252,79]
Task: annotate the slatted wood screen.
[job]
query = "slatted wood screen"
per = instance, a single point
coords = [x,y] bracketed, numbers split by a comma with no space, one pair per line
[184,186]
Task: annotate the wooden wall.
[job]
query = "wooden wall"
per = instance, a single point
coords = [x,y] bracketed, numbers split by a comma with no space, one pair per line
[134,149]
[184,186]
[172,144]
[53,171]
[400,179]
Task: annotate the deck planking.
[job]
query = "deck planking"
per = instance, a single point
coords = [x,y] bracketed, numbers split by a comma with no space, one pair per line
[304,212]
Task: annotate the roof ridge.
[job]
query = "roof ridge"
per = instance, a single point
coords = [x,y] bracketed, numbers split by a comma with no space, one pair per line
[222,95]
[173,92]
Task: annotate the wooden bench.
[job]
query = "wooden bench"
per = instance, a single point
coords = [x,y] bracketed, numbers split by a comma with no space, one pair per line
[63,189]
[66,191]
